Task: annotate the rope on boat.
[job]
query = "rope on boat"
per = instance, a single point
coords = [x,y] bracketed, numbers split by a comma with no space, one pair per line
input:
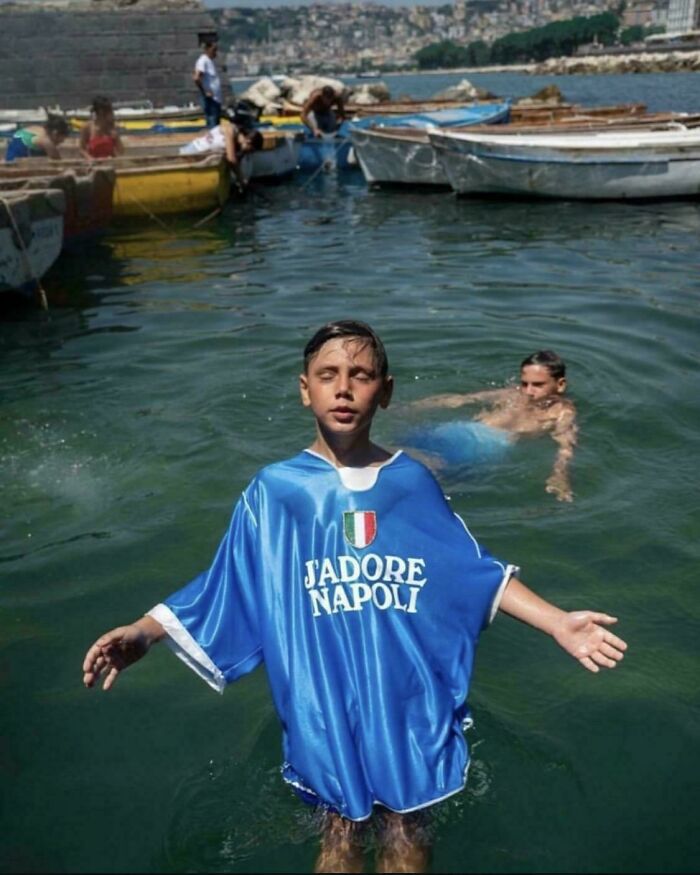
[43,300]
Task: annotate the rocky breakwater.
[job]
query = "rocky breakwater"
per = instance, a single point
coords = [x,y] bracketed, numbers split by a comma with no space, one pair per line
[634,62]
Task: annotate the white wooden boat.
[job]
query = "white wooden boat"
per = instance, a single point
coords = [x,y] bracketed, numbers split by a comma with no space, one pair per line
[397,156]
[31,236]
[634,164]
[402,156]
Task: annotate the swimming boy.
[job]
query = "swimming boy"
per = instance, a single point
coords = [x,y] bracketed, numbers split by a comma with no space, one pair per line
[536,406]
[346,572]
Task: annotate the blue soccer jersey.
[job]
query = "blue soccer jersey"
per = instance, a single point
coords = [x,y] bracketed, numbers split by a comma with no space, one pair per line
[364,595]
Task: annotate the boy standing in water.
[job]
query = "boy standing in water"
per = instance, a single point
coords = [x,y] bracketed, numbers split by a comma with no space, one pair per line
[537,406]
[346,572]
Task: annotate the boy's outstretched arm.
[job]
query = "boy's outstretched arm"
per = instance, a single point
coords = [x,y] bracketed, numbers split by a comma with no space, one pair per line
[116,650]
[583,634]
[457,400]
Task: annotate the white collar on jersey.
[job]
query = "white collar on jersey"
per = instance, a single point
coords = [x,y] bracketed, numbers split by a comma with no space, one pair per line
[357,479]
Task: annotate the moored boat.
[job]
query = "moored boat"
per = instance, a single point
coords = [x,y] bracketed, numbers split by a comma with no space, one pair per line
[163,185]
[335,150]
[88,195]
[277,160]
[31,236]
[594,165]
[397,156]
[404,156]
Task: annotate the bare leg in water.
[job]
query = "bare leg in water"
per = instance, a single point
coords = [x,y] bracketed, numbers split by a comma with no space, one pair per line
[403,843]
[341,845]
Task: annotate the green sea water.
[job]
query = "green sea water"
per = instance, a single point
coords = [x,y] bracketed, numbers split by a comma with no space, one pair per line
[166,374]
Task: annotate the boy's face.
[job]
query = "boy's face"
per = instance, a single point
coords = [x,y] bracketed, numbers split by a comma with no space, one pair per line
[343,387]
[537,382]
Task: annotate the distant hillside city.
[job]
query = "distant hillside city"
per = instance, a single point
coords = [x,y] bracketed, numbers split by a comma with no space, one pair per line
[365,37]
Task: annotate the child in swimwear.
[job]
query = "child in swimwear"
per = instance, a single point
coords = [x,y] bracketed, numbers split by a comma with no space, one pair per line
[345,571]
[99,138]
[536,406]
[38,141]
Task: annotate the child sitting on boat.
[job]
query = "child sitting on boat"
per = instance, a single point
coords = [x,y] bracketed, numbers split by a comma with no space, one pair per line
[99,137]
[38,141]
[346,572]
[536,406]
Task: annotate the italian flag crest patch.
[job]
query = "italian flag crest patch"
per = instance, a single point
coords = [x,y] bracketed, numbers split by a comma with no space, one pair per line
[359,527]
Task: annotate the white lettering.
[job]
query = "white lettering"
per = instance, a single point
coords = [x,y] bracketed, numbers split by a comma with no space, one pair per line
[340,600]
[415,567]
[413,598]
[397,601]
[328,574]
[395,569]
[361,592]
[349,568]
[310,579]
[378,567]
[320,599]
[383,589]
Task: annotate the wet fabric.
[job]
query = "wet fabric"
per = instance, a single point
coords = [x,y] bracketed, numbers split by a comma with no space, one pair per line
[22,145]
[461,443]
[365,605]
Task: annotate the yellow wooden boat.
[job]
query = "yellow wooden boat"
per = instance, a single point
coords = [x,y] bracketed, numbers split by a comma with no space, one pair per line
[167,185]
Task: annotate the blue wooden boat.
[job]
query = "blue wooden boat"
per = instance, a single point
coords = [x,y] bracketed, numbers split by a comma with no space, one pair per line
[476,114]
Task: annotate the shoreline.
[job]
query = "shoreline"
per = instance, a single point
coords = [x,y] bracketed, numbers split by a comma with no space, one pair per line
[677,61]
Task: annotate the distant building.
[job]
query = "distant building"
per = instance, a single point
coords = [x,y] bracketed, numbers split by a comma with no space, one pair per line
[682,16]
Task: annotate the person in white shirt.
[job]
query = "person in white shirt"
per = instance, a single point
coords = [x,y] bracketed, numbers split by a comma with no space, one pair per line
[207,79]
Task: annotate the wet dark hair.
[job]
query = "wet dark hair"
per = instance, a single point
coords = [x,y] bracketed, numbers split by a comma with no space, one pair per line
[256,140]
[348,328]
[546,359]
[101,104]
[328,91]
[56,124]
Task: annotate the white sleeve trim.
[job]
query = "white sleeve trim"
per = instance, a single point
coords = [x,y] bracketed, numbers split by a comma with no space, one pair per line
[186,648]
[508,572]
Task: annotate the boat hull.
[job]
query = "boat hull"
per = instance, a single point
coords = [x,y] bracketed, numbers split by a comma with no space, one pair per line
[31,237]
[277,161]
[596,167]
[386,159]
[88,196]
[169,187]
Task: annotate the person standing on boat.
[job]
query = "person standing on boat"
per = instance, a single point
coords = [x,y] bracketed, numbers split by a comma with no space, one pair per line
[99,138]
[323,111]
[207,79]
[38,141]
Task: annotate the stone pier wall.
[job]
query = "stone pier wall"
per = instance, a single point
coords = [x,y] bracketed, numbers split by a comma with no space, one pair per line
[65,58]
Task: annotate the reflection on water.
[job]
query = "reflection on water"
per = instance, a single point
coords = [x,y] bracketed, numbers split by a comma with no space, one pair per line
[166,373]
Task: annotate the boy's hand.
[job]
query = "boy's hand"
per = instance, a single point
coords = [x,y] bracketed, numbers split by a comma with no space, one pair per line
[559,487]
[113,652]
[583,635]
